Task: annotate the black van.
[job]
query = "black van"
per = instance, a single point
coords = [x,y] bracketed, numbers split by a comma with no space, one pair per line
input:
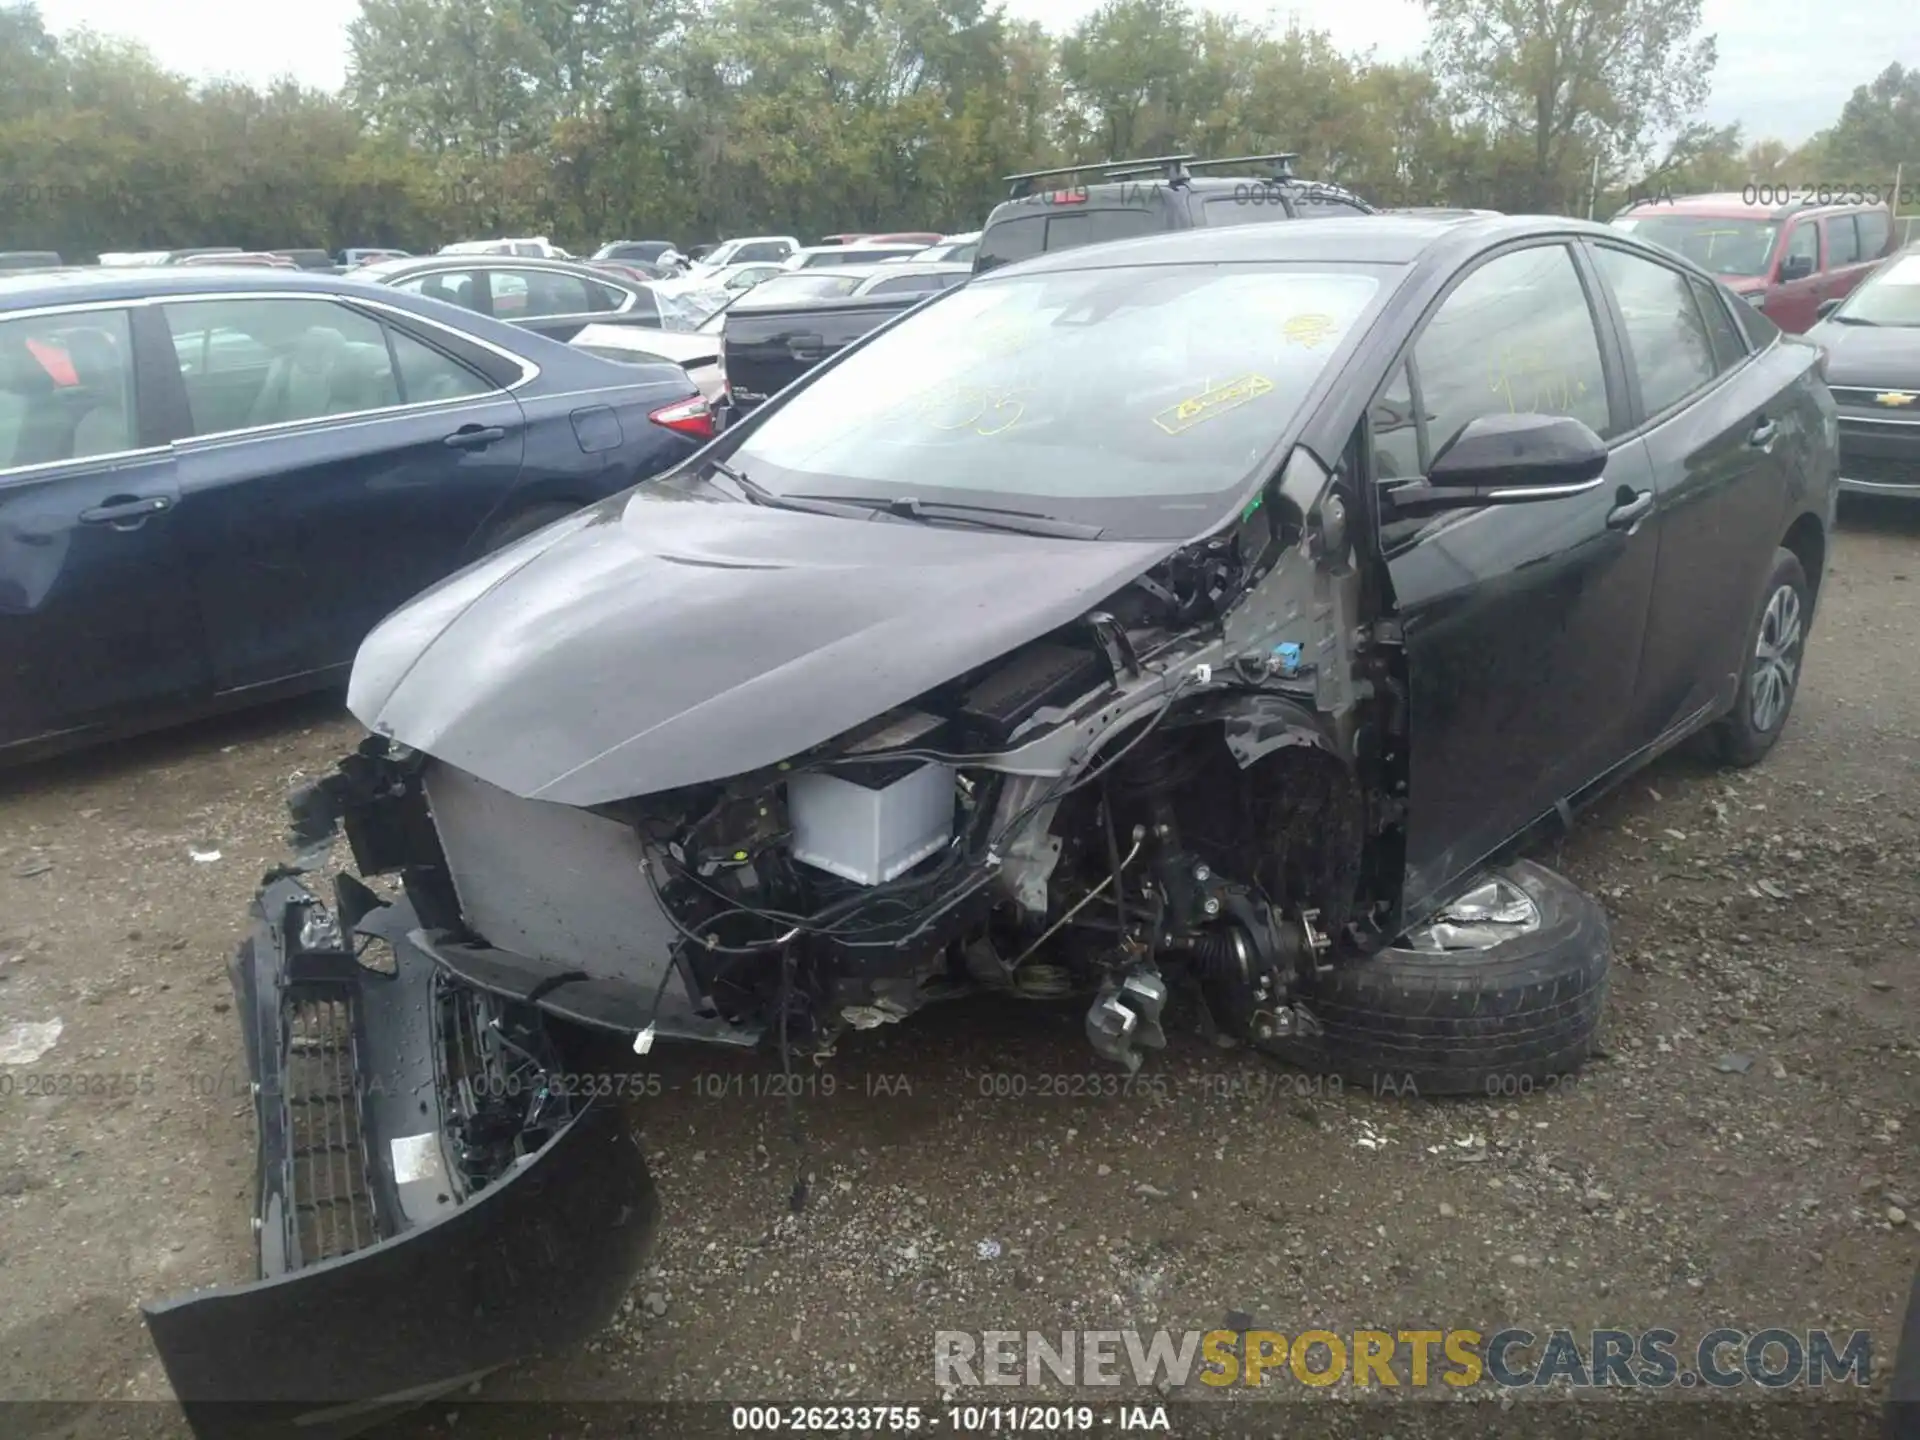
[1146,197]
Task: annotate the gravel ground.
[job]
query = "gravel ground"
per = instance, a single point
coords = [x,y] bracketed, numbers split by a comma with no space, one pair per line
[1743,1154]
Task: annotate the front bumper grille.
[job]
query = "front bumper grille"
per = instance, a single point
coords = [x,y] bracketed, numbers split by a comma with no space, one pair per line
[327,1169]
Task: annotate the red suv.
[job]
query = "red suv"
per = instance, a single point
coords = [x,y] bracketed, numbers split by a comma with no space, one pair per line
[1784,258]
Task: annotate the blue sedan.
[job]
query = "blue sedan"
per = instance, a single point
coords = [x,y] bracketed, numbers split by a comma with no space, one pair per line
[213,485]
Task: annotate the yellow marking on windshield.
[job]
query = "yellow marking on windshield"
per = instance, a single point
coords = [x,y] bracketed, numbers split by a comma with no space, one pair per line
[1209,403]
[1309,330]
[954,408]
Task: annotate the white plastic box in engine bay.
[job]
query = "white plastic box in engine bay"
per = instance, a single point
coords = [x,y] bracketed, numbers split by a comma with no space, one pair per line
[870,832]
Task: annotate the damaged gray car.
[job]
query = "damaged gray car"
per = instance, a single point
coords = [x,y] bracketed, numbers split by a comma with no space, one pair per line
[1183,629]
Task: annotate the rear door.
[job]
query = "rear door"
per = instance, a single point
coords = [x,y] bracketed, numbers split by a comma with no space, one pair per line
[1521,622]
[1849,258]
[97,619]
[354,471]
[1714,424]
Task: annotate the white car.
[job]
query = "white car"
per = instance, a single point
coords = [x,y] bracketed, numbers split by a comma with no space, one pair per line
[735,278]
[757,248]
[951,249]
[534,245]
[697,351]
[818,257]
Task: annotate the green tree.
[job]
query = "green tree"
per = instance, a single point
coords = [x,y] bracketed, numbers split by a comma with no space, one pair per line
[1574,80]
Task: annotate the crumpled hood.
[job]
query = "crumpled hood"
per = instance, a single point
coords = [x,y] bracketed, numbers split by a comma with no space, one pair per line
[664,638]
[1874,355]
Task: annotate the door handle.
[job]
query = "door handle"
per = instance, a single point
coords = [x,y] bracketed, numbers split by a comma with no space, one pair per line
[804,347]
[1630,512]
[125,512]
[1764,434]
[475,437]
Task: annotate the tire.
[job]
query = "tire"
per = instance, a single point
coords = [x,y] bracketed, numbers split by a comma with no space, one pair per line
[523,523]
[1748,731]
[1517,1017]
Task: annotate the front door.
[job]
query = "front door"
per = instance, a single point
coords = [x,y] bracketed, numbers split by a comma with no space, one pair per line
[97,620]
[1716,437]
[335,467]
[1522,623]
[1793,296]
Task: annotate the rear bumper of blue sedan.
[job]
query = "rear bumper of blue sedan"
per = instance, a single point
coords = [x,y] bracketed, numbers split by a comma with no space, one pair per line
[432,1205]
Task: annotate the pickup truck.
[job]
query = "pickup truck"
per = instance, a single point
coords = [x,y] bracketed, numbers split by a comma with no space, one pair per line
[783,327]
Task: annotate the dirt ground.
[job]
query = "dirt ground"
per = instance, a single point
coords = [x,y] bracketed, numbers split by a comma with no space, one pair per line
[1743,1154]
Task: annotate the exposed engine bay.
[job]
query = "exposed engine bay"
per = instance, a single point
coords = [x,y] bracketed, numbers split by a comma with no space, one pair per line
[1193,786]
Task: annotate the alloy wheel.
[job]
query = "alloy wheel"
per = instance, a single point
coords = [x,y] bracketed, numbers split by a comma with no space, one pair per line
[1776,659]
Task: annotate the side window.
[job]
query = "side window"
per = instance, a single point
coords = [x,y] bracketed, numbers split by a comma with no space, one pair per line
[1803,249]
[426,374]
[308,358]
[1667,336]
[1875,230]
[1515,337]
[465,288]
[1396,430]
[603,298]
[66,387]
[508,289]
[1729,345]
[1843,241]
[645,303]
[1013,239]
[551,293]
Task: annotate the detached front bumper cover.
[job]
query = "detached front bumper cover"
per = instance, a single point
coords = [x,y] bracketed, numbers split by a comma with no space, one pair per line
[430,1207]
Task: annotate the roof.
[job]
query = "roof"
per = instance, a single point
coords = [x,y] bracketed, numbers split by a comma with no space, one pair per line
[136,282]
[1363,239]
[1733,205]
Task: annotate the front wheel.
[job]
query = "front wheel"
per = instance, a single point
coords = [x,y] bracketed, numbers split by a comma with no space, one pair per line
[1500,995]
[1776,645]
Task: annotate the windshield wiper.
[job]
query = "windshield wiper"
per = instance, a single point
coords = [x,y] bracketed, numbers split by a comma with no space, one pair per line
[1852,320]
[761,495]
[987,517]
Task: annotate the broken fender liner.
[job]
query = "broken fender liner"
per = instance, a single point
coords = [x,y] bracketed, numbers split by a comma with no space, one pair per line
[453,1282]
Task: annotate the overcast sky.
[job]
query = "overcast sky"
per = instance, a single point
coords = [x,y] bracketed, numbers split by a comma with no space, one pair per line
[1786,66]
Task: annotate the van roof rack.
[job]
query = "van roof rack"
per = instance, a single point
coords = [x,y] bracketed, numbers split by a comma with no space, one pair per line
[1175,169]
[1281,160]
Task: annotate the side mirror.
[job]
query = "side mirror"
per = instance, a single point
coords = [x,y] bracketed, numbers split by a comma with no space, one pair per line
[1506,460]
[1796,267]
[1827,307]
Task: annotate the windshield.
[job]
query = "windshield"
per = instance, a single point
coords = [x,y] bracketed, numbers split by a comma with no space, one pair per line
[1726,247]
[1891,296]
[785,289]
[1138,399]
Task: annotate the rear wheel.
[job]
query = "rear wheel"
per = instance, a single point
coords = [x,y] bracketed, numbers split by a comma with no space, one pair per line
[1501,995]
[523,523]
[1776,645]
